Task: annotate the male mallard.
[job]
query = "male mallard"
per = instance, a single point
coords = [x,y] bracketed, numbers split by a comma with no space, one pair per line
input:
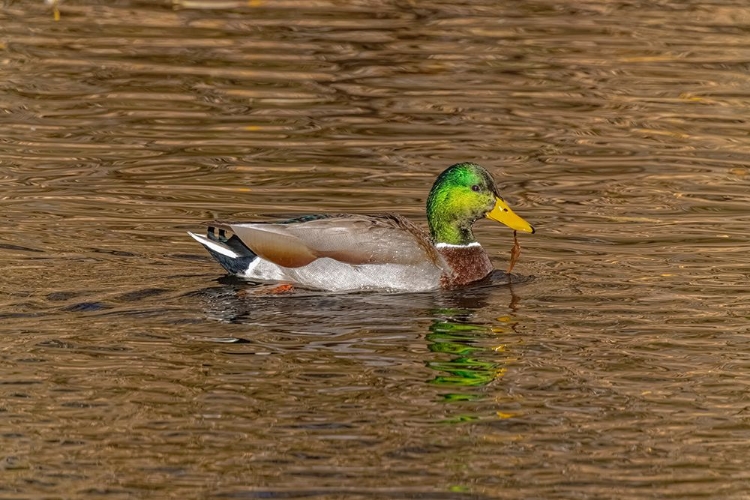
[372,252]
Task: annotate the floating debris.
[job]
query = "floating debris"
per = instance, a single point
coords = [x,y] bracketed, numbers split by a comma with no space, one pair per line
[514,252]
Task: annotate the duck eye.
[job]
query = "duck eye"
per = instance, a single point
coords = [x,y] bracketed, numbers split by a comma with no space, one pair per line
[475,188]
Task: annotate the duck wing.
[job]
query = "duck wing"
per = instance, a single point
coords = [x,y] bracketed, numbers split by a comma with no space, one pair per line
[352,239]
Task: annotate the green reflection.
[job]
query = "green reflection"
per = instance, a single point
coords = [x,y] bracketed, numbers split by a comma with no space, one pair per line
[471,364]
[465,371]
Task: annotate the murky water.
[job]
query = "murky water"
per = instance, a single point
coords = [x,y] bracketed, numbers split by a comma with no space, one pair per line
[618,367]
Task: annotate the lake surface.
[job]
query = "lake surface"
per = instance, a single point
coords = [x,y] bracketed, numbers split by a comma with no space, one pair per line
[617,366]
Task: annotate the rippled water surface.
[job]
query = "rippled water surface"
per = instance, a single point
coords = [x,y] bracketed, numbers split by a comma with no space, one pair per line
[618,365]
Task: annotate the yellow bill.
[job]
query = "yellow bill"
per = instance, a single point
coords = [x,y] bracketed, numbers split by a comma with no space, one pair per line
[503,214]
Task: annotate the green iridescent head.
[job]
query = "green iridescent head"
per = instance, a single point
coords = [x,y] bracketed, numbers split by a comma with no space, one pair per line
[463,193]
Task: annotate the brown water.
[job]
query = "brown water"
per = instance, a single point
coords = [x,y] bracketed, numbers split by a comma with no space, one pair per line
[618,368]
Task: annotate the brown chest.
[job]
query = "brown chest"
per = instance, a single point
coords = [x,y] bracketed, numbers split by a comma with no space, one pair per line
[465,264]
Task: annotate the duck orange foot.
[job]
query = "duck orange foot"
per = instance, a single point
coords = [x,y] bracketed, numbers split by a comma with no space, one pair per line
[279,289]
[267,290]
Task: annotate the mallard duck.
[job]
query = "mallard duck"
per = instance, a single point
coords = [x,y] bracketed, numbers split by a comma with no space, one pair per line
[346,252]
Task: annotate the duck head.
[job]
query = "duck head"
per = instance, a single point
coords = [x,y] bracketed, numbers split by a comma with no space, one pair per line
[462,194]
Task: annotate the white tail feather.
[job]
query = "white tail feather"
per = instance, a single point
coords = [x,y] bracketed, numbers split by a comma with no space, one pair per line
[215,246]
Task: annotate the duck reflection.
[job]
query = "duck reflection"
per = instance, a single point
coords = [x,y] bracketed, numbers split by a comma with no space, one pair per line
[466,366]
[464,344]
[476,353]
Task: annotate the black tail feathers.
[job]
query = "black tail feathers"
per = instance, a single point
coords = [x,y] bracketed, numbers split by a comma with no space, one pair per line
[233,265]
